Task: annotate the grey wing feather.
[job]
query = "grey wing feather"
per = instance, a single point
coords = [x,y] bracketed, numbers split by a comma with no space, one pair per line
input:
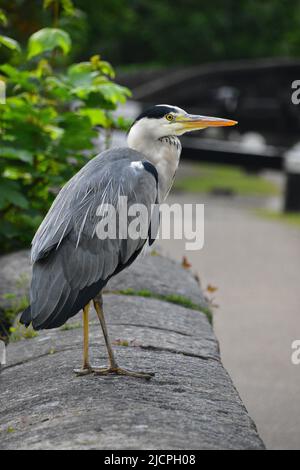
[71,202]
[67,254]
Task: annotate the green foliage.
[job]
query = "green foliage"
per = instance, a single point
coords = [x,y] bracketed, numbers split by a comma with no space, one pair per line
[66,5]
[10,43]
[19,332]
[3,18]
[48,39]
[7,316]
[47,124]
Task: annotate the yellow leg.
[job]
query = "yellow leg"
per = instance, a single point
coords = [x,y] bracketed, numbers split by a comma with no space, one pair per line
[113,367]
[99,310]
[86,367]
[86,362]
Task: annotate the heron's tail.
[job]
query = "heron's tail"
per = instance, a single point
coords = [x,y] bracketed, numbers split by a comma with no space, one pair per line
[26,317]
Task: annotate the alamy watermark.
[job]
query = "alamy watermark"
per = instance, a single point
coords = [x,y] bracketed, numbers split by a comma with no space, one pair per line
[296,94]
[295,357]
[164,221]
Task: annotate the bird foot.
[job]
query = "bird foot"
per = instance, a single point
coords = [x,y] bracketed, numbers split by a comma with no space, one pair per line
[119,371]
[85,370]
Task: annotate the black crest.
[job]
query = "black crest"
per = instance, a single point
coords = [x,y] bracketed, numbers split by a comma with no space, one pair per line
[156,112]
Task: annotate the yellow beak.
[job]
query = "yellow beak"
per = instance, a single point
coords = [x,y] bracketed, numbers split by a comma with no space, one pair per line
[193,122]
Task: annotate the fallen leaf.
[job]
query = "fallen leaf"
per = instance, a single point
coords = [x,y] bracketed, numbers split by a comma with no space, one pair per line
[185,263]
[211,289]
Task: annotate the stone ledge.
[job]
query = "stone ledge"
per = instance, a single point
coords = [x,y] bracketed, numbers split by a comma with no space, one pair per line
[152,273]
[191,402]
[147,273]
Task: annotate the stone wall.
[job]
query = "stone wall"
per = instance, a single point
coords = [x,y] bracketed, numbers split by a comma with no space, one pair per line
[153,311]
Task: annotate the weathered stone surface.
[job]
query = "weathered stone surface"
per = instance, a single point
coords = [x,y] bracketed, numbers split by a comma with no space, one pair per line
[147,273]
[15,274]
[145,323]
[153,273]
[2,354]
[191,402]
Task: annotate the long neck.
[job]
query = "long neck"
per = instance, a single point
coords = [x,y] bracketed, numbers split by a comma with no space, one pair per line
[163,153]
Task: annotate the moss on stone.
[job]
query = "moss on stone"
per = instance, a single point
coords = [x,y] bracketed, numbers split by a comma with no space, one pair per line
[172,298]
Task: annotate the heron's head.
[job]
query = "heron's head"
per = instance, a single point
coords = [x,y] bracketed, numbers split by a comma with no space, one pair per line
[164,120]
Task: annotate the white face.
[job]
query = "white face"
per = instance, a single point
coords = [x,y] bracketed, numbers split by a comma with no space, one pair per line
[172,122]
[164,126]
[176,122]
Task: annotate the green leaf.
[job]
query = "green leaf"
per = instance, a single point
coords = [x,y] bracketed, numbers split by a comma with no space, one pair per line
[102,66]
[122,123]
[55,132]
[8,229]
[16,154]
[10,194]
[114,93]
[17,199]
[9,70]
[48,3]
[21,78]
[12,44]
[107,69]
[48,39]
[81,74]
[96,116]
[58,88]
[78,133]
[67,5]
[3,18]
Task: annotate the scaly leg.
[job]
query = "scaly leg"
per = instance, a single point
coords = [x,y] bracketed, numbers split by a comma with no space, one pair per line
[113,367]
[86,367]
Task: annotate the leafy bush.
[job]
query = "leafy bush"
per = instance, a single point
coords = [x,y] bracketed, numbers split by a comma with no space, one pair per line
[48,123]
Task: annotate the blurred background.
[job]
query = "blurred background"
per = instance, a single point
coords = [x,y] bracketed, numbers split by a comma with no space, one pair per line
[77,73]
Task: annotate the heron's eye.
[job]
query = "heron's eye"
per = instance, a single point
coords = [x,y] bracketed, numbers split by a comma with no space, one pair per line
[169,117]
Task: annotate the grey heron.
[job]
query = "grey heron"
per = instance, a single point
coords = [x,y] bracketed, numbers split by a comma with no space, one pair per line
[71,265]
